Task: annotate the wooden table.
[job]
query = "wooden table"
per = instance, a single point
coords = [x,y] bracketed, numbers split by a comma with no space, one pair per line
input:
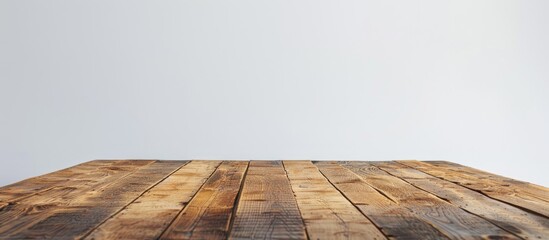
[149,199]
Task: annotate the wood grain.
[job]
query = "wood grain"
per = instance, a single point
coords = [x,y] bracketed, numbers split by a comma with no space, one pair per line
[447,218]
[208,214]
[152,212]
[512,219]
[81,172]
[59,216]
[267,208]
[503,191]
[393,219]
[25,211]
[326,212]
[152,199]
[523,188]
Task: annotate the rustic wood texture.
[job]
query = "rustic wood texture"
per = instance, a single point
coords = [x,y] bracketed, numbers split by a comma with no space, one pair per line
[326,212]
[510,218]
[152,199]
[448,218]
[209,213]
[524,195]
[151,213]
[267,208]
[393,219]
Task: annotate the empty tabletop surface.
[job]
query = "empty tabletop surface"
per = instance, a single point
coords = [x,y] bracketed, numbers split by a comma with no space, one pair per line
[293,199]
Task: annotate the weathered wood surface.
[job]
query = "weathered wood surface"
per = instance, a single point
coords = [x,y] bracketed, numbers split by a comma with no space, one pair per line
[325,211]
[208,214]
[449,219]
[151,213]
[510,218]
[392,218]
[521,194]
[151,199]
[267,208]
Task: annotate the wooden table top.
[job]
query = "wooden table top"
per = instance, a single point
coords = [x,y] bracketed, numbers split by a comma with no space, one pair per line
[152,199]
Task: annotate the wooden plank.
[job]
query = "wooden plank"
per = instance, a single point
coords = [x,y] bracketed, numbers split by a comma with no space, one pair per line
[327,213]
[497,190]
[512,219]
[152,212]
[42,183]
[22,212]
[393,219]
[447,218]
[208,214]
[521,187]
[66,222]
[524,189]
[267,208]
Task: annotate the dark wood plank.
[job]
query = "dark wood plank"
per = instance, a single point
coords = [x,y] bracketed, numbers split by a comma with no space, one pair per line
[449,219]
[501,191]
[326,212]
[24,211]
[267,208]
[394,220]
[512,219]
[66,221]
[208,214]
[152,212]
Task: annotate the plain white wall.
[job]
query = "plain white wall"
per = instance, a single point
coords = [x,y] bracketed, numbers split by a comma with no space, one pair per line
[465,81]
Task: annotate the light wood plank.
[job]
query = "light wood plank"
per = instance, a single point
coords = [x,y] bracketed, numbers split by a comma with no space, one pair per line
[523,188]
[208,214]
[31,186]
[326,212]
[267,208]
[501,191]
[150,214]
[449,219]
[393,219]
[512,219]
[66,222]
[25,211]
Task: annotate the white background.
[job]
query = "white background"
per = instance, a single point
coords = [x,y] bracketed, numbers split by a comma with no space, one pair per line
[465,81]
